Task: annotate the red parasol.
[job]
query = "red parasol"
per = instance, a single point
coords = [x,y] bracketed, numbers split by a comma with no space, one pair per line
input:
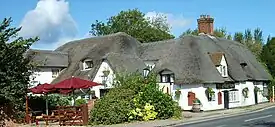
[42,89]
[75,83]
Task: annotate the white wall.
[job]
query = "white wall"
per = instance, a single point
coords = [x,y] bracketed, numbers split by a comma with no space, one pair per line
[261,98]
[164,86]
[98,78]
[42,75]
[199,90]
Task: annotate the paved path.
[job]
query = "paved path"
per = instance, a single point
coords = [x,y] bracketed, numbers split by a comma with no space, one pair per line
[265,118]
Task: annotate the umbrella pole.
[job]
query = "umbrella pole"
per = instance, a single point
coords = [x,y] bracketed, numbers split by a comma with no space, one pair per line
[47,108]
[73,98]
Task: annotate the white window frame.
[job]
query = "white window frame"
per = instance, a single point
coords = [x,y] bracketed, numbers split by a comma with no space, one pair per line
[55,73]
[165,78]
[233,96]
[224,70]
[87,66]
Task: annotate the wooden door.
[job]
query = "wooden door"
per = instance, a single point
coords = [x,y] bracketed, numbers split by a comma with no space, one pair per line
[219,98]
[191,97]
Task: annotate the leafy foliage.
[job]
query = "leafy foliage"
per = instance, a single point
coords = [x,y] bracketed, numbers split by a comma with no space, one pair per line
[147,113]
[133,98]
[58,100]
[14,70]
[219,32]
[163,103]
[79,102]
[113,107]
[268,55]
[134,23]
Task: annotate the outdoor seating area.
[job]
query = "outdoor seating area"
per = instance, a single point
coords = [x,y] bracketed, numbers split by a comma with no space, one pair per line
[63,115]
[67,115]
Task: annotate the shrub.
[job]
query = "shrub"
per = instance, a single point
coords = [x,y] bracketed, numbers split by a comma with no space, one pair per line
[147,113]
[134,98]
[79,102]
[163,103]
[58,100]
[113,107]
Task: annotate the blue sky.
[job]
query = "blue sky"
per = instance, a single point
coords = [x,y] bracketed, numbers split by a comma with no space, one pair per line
[78,15]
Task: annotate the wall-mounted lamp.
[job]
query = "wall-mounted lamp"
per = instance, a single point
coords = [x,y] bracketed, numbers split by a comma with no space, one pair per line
[105,77]
[146,72]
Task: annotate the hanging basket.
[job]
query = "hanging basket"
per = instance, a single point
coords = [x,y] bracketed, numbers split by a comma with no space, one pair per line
[245,92]
[177,94]
[256,89]
[209,92]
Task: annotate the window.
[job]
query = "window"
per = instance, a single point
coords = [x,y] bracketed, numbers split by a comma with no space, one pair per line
[224,71]
[233,96]
[87,64]
[55,73]
[265,90]
[165,78]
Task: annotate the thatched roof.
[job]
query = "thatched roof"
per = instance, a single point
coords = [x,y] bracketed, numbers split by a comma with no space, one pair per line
[48,58]
[187,57]
[216,57]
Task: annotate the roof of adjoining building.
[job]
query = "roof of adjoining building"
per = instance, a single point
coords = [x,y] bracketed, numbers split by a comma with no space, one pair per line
[187,57]
[48,58]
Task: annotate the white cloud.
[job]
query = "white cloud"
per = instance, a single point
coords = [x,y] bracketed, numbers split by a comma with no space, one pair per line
[50,21]
[175,21]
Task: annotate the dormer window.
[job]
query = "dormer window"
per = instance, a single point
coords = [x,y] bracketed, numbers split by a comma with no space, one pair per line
[218,59]
[87,64]
[166,76]
[55,73]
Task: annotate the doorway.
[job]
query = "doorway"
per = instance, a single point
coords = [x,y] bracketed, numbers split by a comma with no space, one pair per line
[226,99]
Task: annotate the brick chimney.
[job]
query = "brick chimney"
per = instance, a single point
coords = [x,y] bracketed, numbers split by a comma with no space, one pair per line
[205,24]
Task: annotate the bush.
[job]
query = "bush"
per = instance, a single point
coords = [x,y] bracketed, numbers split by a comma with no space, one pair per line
[134,98]
[113,107]
[163,103]
[58,100]
[79,102]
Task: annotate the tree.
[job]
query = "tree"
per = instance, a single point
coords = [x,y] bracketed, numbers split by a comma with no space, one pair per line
[254,43]
[268,55]
[134,23]
[15,67]
[219,32]
[239,37]
[190,32]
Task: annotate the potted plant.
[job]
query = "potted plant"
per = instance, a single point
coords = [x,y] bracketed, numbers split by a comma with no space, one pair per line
[177,94]
[245,92]
[196,105]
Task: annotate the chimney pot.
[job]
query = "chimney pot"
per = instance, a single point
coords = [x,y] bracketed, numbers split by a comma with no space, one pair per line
[206,24]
